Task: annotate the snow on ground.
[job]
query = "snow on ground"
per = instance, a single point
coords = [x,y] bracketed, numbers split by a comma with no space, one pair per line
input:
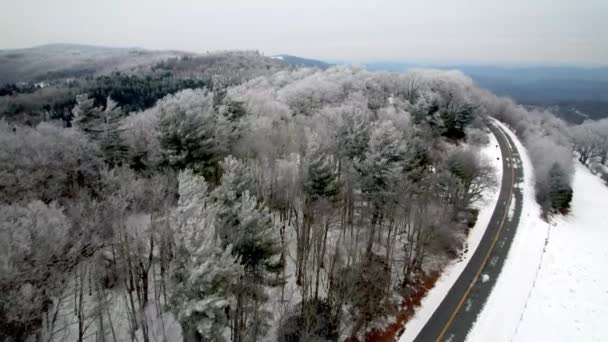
[569,301]
[112,303]
[553,284]
[491,153]
[163,326]
[511,209]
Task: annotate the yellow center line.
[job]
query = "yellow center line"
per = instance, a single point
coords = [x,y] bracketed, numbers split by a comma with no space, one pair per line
[485,259]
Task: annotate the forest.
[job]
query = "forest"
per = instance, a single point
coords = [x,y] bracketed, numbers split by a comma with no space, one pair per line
[228,197]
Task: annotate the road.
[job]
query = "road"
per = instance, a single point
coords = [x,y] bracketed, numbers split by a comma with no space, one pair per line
[458,311]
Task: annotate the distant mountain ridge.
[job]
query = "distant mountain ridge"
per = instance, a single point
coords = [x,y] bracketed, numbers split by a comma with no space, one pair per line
[573,93]
[302,62]
[73,60]
[53,61]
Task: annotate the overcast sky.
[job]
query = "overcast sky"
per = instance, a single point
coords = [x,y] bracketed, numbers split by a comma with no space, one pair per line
[453,31]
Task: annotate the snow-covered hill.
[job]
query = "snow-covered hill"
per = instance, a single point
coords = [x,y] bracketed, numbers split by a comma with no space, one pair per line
[301,62]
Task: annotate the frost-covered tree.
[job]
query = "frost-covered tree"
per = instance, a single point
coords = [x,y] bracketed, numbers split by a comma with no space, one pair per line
[102,126]
[590,141]
[380,169]
[345,184]
[321,175]
[188,132]
[34,239]
[544,136]
[383,161]
[110,139]
[354,134]
[206,272]
[47,162]
[86,114]
[553,164]
[321,193]
[445,102]
[471,177]
[140,134]
[249,227]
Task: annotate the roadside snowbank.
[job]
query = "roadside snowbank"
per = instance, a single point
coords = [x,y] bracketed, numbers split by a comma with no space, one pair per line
[491,153]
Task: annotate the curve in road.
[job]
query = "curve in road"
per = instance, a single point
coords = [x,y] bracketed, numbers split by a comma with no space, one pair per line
[458,311]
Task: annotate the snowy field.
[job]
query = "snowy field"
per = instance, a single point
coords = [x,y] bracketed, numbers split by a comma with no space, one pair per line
[448,277]
[569,300]
[553,284]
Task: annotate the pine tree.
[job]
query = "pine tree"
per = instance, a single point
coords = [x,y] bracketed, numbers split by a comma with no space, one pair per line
[322,189]
[456,117]
[110,140]
[248,226]
[354,135]
[425,109]
[229,130]
[560,192]
[206,272]
[102,127]
[380,171]
[233,110]
[383,160]
[86,115]
[321,176]
[238,175]
[188,136]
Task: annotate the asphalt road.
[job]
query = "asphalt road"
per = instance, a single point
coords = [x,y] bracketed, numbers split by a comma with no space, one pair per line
[458,311]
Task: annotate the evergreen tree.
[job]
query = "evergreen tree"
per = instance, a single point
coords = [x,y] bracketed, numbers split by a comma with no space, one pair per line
[354,135]
[205,272]
[102,126]
[322,177]
[233,110]
[249,227]
[383,161]
[560,192]
[238,175]
[86,115]
[380,171]
[455,119]
[425,108]
[110,140]
[188,133]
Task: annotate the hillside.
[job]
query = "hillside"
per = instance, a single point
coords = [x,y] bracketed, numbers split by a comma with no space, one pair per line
[71,60]
[301,62]
[134,78]
[57,61]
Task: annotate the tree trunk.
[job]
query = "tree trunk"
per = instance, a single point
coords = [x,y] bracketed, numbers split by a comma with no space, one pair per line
[372,232]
